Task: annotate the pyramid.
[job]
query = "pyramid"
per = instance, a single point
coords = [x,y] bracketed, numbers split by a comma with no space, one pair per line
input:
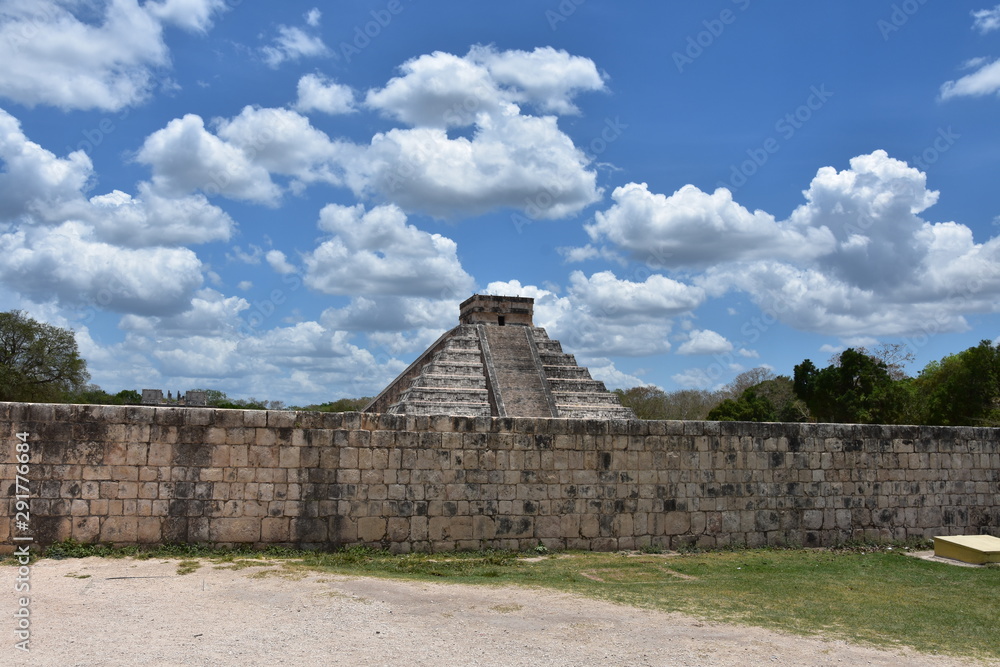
[497,363]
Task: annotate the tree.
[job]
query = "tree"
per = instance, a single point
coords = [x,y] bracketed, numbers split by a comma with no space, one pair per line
[858,390]
[749,407]
[651,402]
[962,389]
[772,399]
[895,356]
[38,362]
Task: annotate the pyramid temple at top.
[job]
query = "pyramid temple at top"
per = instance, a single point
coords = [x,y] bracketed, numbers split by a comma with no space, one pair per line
[496,362]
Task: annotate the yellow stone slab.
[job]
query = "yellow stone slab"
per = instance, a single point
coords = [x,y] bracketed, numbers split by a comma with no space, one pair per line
[976,549]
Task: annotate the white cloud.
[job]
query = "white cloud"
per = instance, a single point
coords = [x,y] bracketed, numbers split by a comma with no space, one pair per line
[193,15]
[394,314]
[514,161]
[984,81]
[317,93]
[986,20]
[705,341]
[69,264]
[693,228]
[509,159]
[277,260]
[185,157]
[657,296]
[699,378]
[151,220]
[313,16]
[605,371]
[51,57]
[225,343]
[377,253]
[545,77]
[292,44]
[438,90]
[283,142]
[855,259]
[34,183]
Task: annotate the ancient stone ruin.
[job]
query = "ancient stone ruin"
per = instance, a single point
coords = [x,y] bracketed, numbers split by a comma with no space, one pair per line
[497,363]
[194,398]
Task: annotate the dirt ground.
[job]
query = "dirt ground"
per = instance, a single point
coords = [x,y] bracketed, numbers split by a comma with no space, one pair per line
[124,612]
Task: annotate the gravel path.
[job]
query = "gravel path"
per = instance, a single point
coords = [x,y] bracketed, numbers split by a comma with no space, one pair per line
[124,612]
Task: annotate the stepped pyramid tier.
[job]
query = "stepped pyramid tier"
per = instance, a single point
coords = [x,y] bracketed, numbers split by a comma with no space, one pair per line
[497,363]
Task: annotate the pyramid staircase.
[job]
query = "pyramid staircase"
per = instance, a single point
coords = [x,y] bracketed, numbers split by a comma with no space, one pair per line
[503,371]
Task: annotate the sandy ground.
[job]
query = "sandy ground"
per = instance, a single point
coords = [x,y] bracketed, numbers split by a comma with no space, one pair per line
[124,612]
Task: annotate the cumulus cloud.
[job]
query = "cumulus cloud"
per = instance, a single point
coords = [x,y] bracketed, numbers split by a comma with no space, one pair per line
[890,271]
[317,93]
[506,159]
[515,161]
[438,90]
[510,159]
[52,57]
[153,220]
[223,342]
[395,314]
[657,296]
[279,262]
[240,158]
[377,253]
[69,264]
[116,251]
[705,341]
[185,157]
[545,77]
[54,53]
[35,181]
[694,228]
[283,142]
[192,15]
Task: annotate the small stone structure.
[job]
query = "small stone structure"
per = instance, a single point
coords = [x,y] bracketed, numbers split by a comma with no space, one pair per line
[497,363]
[197,399]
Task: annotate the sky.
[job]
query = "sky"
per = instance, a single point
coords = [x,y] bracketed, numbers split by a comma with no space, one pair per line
[289,200]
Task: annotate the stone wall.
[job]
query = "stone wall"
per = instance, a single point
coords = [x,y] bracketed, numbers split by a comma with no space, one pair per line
[130,475]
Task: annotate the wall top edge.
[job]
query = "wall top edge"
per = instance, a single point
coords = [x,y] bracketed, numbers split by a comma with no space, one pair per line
[13,413]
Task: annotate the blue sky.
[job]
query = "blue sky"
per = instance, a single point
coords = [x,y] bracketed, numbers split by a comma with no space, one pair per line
[289,200]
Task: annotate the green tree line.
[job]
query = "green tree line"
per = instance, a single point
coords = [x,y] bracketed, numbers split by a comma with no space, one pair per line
[859,386]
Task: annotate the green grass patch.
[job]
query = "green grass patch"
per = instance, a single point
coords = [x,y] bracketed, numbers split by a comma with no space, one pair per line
[868,594]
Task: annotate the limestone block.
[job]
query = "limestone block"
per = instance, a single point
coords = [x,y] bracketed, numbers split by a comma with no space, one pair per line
[149,530]
[371,529]
[234,530]
[120,529]
[86,530]
[275,529]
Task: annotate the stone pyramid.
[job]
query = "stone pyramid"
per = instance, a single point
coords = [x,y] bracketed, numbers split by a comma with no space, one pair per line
[496,362]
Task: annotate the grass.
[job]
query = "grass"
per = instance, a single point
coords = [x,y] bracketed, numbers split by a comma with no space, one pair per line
[871,595]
